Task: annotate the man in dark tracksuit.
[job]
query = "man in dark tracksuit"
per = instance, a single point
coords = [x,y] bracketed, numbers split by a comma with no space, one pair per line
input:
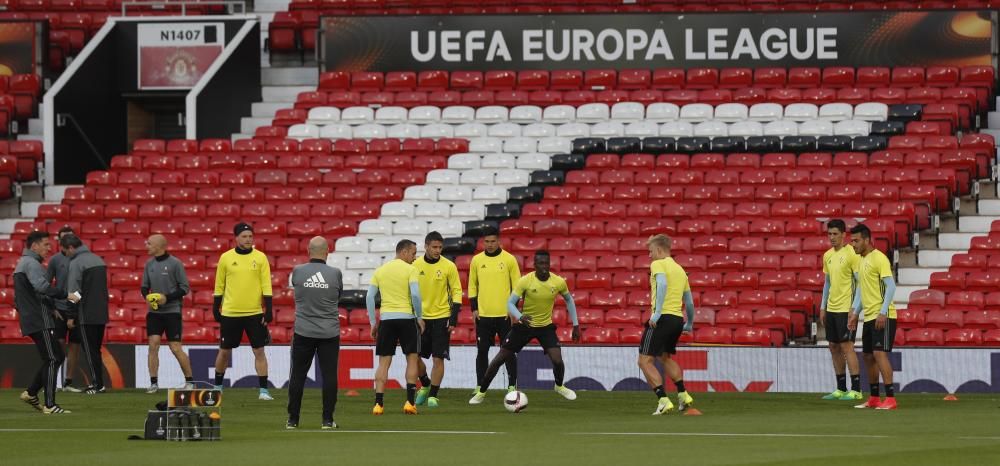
[31,288]
[59,273]
[87,287]
[317,330]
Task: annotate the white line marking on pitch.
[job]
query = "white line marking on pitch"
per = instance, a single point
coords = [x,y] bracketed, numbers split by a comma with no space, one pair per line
[979,438]
[433,432]
[718,434]
[70,430]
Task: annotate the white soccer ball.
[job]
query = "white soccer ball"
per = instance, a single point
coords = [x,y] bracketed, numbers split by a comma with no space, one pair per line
[515,401]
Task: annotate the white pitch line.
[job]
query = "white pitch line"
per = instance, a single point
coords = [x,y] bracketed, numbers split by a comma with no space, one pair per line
[979,438]
[720,434]
[70,430]
[432,432]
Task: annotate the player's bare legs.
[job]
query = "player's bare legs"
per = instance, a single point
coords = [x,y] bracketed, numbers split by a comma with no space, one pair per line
[650,371]
[181,356]
[153,361]
[885,368]
[222,361]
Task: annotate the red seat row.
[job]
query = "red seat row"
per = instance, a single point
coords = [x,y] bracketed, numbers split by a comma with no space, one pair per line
[258,149]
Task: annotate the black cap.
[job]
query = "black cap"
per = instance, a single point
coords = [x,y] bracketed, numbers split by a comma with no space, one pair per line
[241,227]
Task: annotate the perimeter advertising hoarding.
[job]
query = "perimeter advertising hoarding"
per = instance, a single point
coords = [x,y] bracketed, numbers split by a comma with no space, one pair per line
[720,369]
[518,42]
[20,363]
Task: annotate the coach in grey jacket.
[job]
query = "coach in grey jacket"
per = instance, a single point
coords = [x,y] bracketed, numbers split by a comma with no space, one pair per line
[59,274]
[317,330]
[87,287]
[33,295]
[164,285]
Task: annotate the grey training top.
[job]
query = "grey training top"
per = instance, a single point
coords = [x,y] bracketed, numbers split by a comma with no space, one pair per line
[165,275]
[317,293]
[59,270]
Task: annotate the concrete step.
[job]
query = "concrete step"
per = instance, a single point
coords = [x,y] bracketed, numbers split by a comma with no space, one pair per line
[270,5]
[976,223]
[903,293]
[57,192]
[249,124]
[238,136]
[992,131]
[36,126]
[7,224]
[291,76]
[31,137]
[989,207]
[30,209]
[993,119]
[917,275]
[937,258]
[956,240]
[268,109]
[283,93]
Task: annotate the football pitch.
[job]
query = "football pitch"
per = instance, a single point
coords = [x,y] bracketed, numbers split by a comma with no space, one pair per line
[607,428]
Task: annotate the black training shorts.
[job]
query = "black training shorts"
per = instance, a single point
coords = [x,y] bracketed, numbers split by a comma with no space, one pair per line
[405,332]
[836,327]
[233,328]
[436,339]
[158,323]
[520,335]
[663,338]
[873,339]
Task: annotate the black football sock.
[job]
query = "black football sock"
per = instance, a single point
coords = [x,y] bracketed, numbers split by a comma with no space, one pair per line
[68,382]
[153,380]
[680,385]
[856,383]
[379,398]
[559,371]
[889,391]
[425,381]
[262,381]
[218,377]
[188,379]
[842,382]
[660,392]
[873,388]
[411,392]
[434,391]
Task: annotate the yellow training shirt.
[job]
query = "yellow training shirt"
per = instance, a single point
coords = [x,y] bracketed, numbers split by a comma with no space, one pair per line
[491,280]
[677,284]
[241,280]
[393,281]
[872,269]
[840,267]
[539,296]
[440,286]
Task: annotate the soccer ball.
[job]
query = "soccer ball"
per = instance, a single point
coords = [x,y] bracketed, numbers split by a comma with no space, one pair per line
[515,401]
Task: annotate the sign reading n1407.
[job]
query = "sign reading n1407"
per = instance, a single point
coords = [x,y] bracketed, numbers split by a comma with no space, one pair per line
[180,35]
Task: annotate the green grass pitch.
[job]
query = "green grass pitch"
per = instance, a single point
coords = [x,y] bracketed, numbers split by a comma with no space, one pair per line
[603,428]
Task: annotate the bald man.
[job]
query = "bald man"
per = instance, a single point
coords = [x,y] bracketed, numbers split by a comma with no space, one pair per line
[164,285]
[317,289]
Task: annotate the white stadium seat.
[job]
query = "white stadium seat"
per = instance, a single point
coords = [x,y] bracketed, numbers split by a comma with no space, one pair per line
[468,211]
[816,128]
[852,128]
[336,131]
[365,278]
[338,260]
[697,112]
[384,244]
[397,209]
[432,210]
[628,111]
[538,130]
[375,227]
[437,131]
[421,193]
[391,115]
[458,114]
[491,114]
[488,195]
[525,114]
[364,261]
[410,228]
[498,161]
[464,161]
[573,130]
[471,130]
[534,161]
[512,177]
[556,114]
[441,177]
[350,281]
[801,112]
[765,112]
[323,115]
[732,112]
[351,244]
[677,129]
[505,130]
[455,194]
[485,145]
[447,228]
[746,129]
[303,131]
[369,131]
[781,128]
[837,111]
[593,113]
[477,177]
[871,111]
[711,129]
[357,115]
[642,129]
[662,112]
[520,145]
[425,114]
[404,131]
[607,129]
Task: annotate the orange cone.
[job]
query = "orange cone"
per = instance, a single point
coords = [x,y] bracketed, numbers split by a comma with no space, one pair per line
[352,393]
[692,412]
[951,397]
